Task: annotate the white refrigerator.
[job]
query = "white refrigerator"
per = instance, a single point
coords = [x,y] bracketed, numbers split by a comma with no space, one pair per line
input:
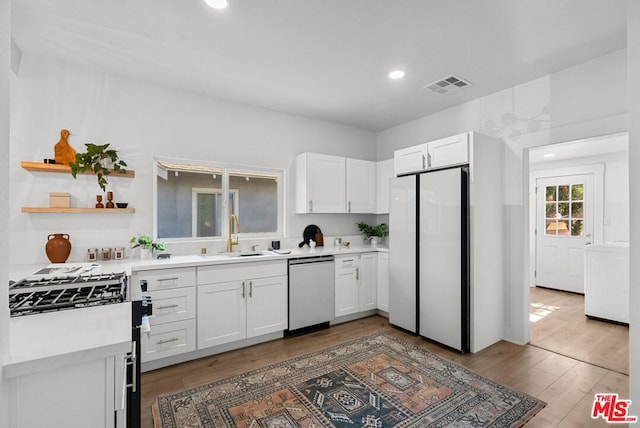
[429,256]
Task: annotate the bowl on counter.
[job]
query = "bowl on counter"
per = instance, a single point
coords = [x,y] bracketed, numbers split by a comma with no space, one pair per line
[122,204]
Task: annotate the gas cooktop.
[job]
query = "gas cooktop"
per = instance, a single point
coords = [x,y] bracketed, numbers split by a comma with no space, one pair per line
[52,293]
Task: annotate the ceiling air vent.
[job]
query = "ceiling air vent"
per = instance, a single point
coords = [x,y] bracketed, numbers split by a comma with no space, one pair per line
[448,84]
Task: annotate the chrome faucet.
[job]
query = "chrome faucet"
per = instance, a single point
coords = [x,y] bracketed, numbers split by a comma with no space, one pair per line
[230,241]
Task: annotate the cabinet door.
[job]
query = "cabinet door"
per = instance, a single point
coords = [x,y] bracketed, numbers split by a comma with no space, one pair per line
[448,151]
[361,186]
[367,277]
[346,285]
[75,396]
[266,305]
[325,179]
[383,282]
[221,313]
[384,173]
[411,159]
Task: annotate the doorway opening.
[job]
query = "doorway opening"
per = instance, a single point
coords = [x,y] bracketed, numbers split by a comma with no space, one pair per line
[582,198]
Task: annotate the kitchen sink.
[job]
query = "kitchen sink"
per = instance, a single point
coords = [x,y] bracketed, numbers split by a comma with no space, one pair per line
[244,254]
[235,254]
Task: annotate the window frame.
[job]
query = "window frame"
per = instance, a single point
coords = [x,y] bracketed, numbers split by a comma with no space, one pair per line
[225,169]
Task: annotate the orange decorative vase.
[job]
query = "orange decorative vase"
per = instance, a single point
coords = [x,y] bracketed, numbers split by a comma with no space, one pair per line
[58,247]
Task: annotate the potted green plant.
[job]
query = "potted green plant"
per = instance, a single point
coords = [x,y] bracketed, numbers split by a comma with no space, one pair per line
[373,233]
[147,245]
[94,160]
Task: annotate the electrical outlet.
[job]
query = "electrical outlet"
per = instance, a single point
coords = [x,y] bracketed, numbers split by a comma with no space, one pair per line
[203,250]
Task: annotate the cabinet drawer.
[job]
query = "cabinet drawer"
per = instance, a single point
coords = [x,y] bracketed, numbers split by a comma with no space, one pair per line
[162,279]
[169,339]
[343,262]
[173,305]
[240,271]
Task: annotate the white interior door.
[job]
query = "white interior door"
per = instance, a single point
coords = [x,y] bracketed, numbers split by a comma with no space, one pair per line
[565,224]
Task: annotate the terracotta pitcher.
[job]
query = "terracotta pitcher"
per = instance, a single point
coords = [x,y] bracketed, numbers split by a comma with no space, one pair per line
[58,247]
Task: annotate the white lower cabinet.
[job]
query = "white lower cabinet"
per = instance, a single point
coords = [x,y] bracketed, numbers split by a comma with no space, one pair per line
[95,387]
[346,283]
[236,303]
[383,282]
[173,323]
[355,283]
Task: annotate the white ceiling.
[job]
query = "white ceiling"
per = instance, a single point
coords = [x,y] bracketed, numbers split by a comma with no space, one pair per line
[326,59]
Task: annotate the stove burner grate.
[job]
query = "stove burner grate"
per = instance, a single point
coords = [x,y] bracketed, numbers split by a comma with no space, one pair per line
[53,294]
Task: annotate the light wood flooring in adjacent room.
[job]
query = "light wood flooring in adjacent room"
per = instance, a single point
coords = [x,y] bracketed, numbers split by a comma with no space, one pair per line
[558,324]
[567,385]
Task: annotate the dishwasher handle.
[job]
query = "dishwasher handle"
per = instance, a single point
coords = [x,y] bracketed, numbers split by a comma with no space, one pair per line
[314,259]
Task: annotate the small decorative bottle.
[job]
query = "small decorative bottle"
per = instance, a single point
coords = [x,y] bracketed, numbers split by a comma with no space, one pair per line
[99,199]
[110,203]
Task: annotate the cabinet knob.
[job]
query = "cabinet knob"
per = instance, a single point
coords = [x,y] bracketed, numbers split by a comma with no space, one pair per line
[310,205]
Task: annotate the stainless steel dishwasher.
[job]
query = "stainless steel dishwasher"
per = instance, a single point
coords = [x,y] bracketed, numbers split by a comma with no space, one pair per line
[311,293]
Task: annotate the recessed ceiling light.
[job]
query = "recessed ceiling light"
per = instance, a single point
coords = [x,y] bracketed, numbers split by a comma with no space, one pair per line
[396,74]
[217,4]
[549,155]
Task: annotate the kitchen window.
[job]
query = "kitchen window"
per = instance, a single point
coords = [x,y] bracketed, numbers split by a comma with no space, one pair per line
[194,200]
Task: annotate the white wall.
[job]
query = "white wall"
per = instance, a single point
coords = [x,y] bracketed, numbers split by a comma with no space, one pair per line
[539,112]
[143,120]
[633,46]
[5,67]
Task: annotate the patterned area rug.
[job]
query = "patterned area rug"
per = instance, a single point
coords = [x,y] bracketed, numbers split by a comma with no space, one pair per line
[375,381]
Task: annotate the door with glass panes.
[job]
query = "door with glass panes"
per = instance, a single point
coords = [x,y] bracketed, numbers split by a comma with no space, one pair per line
[564,213]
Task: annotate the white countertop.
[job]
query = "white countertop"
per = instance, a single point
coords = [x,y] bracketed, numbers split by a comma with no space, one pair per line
[613,246]
[130,265]
[56,339]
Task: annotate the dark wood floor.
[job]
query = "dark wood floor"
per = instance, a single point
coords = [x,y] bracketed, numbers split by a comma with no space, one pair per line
[558,324]
[566,384]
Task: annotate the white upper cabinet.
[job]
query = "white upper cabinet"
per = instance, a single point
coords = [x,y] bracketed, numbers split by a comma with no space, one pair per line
[333,184]
[320,183]
[411,159]
[432,155]
[361,186]
[384,173]
[448,151]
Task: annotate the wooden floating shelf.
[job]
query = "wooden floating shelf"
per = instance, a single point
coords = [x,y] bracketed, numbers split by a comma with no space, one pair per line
[78,210]
[52,167]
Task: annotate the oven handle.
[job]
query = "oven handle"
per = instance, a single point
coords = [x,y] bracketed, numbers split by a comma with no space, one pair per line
[131,361]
